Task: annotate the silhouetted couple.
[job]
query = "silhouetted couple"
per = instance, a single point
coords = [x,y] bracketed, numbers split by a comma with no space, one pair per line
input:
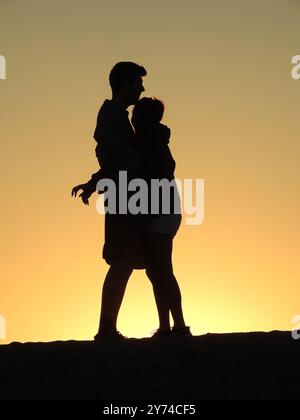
[136,241]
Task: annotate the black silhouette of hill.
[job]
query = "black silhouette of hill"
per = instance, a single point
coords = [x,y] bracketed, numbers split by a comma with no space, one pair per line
[210,367]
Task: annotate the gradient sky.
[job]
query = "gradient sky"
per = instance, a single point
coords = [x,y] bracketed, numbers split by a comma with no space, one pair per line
[223,70]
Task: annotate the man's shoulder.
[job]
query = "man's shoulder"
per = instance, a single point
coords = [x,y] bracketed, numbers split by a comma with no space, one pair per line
[105,108]
[110,121]
[110,113]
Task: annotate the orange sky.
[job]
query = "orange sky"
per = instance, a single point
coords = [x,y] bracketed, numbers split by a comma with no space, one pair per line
[223,70]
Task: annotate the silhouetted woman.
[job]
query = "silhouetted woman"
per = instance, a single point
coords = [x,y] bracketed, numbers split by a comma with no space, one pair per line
[160,228]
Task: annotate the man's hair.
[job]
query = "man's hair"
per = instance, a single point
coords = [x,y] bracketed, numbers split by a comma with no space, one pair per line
[124,71]
[147,111]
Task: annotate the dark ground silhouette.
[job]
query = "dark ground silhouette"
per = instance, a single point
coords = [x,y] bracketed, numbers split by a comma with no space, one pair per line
[209,367]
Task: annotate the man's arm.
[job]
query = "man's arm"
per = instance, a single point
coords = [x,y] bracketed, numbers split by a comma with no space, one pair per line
[112,152]
[112,172]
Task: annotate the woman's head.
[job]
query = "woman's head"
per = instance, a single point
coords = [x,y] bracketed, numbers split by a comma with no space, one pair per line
[146,112]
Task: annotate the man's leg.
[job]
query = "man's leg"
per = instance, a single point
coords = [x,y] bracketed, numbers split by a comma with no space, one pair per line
[112,295]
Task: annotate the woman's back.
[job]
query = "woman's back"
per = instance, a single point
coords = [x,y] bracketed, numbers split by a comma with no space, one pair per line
[156,158]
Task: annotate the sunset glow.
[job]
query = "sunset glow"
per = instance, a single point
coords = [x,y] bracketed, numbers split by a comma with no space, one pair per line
[223,70]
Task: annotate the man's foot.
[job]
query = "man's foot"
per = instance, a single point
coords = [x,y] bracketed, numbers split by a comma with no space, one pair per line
[181,332]
[162,334]
[109,335]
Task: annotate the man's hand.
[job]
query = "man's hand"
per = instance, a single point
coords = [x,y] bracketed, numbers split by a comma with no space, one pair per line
[85,195]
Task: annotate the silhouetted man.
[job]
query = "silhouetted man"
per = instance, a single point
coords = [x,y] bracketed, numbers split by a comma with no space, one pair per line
[116,150]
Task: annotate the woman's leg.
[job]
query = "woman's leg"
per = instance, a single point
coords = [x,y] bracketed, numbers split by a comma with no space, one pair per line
[161,300]
[160,272]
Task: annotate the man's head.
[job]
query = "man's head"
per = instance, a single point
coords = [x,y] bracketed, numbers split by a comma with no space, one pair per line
[126,81]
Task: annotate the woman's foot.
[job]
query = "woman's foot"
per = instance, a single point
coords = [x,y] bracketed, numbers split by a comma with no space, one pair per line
[181,332]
